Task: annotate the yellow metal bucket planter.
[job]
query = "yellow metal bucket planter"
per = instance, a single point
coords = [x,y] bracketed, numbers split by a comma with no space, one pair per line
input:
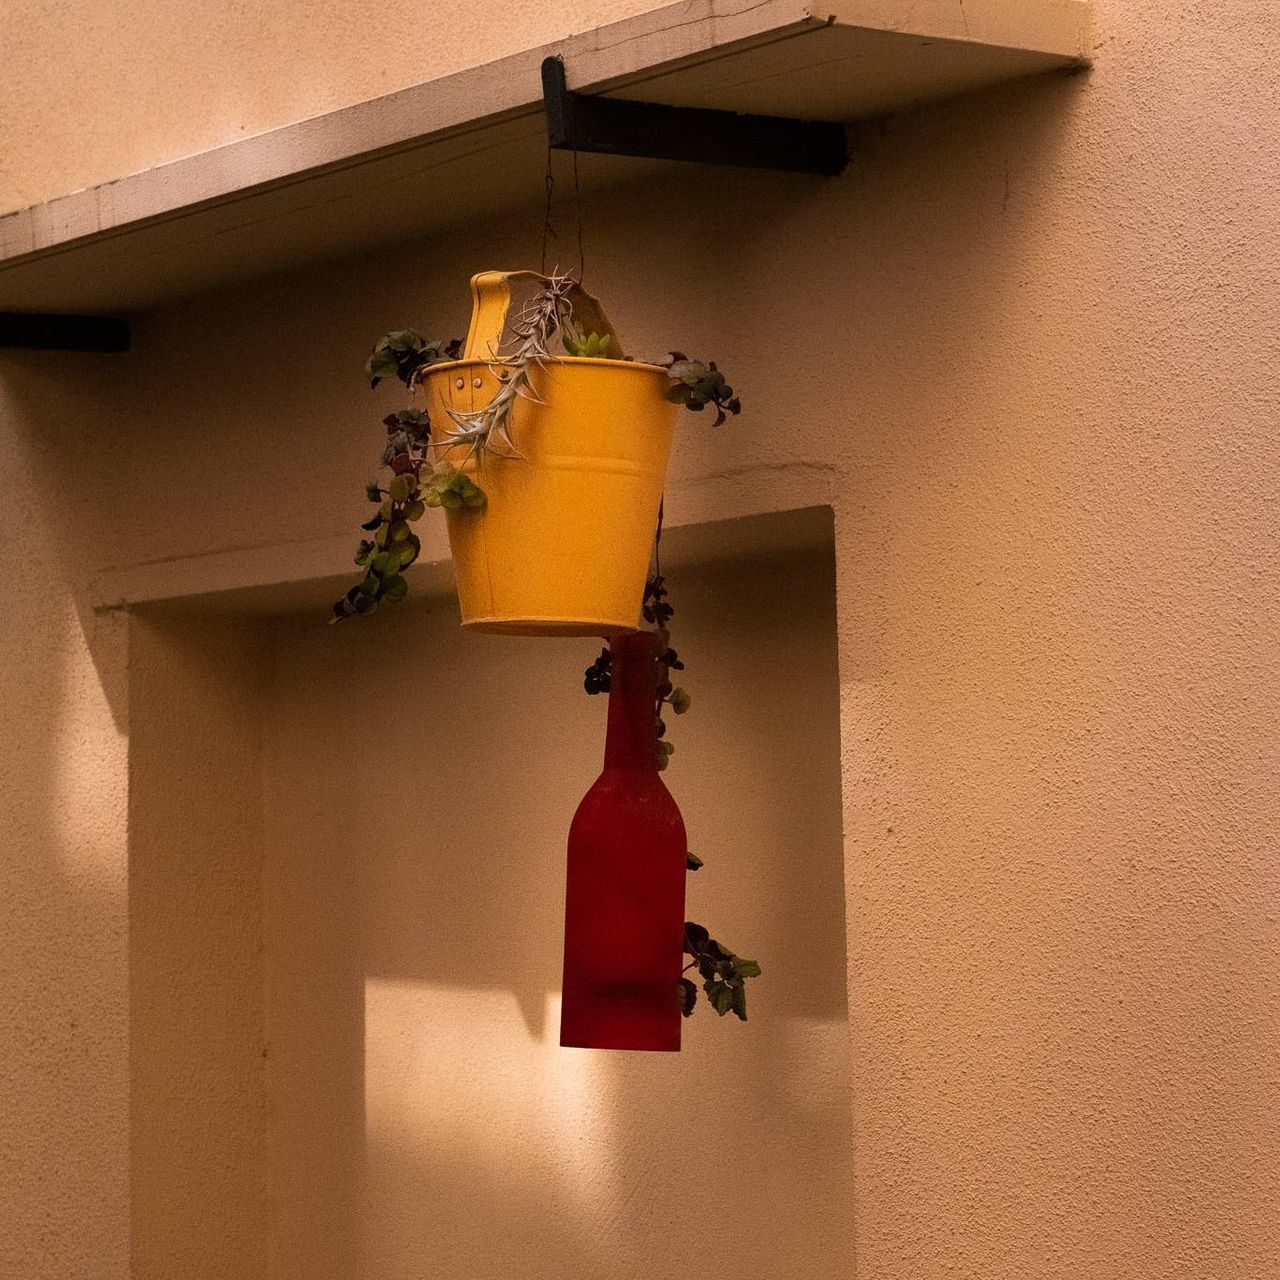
[562,546]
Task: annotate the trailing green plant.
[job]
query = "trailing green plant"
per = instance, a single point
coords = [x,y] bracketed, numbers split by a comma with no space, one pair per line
[559,310]
[658,611]
[405,354]
[696,385]
[723,973]
[415,483]
[393,546]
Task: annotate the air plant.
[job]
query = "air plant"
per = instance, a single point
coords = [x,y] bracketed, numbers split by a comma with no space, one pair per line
[533,330]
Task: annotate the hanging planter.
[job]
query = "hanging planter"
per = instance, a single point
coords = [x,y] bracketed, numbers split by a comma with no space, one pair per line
[547,449]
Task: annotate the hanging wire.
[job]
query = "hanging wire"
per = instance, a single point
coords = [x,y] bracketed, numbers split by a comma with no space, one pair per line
[548,231]
[577,203]
[548,222]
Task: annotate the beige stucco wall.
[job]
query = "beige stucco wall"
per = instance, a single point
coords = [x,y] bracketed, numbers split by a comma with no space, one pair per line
[155,80]
[1025,348]
[64,1175]
[198,1108]
[419,1093]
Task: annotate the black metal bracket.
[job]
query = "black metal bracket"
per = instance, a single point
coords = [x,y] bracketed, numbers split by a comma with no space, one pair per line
[35,331]
[620,127]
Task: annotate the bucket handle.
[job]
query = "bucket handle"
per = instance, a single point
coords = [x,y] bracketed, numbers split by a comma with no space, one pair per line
[491,300]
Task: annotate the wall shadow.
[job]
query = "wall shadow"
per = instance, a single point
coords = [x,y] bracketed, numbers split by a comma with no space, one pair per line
[419,787]
[63,903]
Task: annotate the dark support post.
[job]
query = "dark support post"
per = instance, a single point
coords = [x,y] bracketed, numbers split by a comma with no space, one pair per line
[620,127]
[34,331]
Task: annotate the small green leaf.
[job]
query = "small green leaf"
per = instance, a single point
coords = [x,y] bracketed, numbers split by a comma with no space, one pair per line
[403,340]
[680,701]
[415,509]
[407,551]
[382,364]
[385,563]
[747,968]
[395,588]
[720,994]
[372,492]
[400,489]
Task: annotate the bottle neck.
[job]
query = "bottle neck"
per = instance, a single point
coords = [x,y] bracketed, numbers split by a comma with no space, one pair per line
[631,741]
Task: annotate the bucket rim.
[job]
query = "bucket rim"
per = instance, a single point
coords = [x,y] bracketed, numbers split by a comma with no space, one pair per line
[642,366]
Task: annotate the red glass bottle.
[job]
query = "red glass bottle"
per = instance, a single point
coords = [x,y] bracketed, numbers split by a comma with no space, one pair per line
[624,898]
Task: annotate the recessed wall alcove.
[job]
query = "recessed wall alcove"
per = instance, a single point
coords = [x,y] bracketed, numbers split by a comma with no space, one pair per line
[346,888]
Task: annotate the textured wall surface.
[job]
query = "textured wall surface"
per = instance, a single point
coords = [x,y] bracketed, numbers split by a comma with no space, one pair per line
[1026,348]
[155,80]
[423,1109]
[196,985]
[64,1174]
[1059,663]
